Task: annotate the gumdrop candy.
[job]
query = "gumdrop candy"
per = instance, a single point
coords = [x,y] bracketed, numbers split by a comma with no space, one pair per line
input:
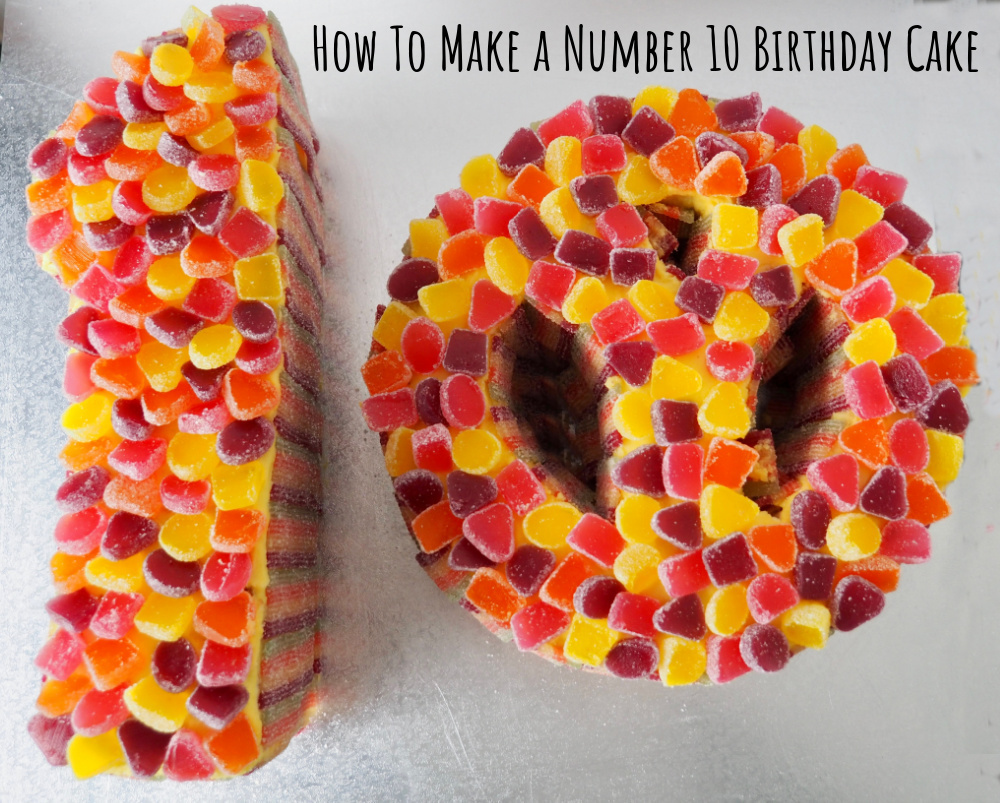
[52,735]
[855,601]
[633,614]
[682,470]
[729,560]
[814,573]
[724,660]
[943,269]
[871,299]
[632,361]
[837,479]
[610,114]
[764,648]
[866,391]
[594,597]
[676,163]
[772,220]
[913,334]
[529,567]
[700,297]
[633,658]
[907,382]
[810,516]
[536,624]
[675,422]
[594,195]
[677,336]
[910,224]
[731,271]
[683,616]
[945,410]
[144,748]
[647,131]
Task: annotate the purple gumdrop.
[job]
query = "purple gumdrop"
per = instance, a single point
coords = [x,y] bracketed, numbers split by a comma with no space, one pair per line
[73,332]
[128,534]
[129,421]
[171,577]
[168,234]
[205,382]
[107,235]
[82,489]
[814,575]
[907,382]
[912,226]
[763,187]
[821,196]
[176,150]
[855,601]
[885,494]
[633,658]
[528,568]
[48,158]
[244,46]
[632,360]
[133,105]
[594,194]
[144,747]
[530,234]
[764,648]
[464,557]
[174,664]
[72,611]
[594,596]
[610,114]
[810,516]
[701,297]
[210,211]
[647,131]
[641,472]
[217,706]
[729,560]
[630,265]
[255,321]
[150,43]
[945,410]
[675,421]
[466,353]
[427,398]
[100,135]
[680,525]
[242,442]
[522,149]
[739,114]
[587,253]
[409,276]
[774,288]
[467,493]
[173,326]
[684,617]
[712,143]
[418,489]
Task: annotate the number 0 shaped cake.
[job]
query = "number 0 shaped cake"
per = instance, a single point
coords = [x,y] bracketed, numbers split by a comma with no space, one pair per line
[178,205]
[671,387]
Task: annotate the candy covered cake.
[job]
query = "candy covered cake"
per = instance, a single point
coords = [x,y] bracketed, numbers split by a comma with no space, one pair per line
[178,205]
[671,387]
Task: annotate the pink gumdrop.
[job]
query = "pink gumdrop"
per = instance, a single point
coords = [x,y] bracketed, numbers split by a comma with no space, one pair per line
[132,104]
[456,209]
[97,287]
[944,269]
[621,226]
[251,110]
[161,97]
[132,262]
[536,624]
[129,420]
[211,299]
[61,654]
[771,220]
[85,170]
[616,322]
[873,298]
[82,489]
[462,401]
[186,759]
[837,479]
[260,359]
[676,336]
[432,448]
[225,575]
[247,234]
[80,533]
[138,460]
[491,531]
[876,246]
[128,206]
[732,271]
[100,95]
[52,735]
[238,17]
[47,231]
[77,384]
[682,470]
[108,235]
[725,661]
[633,614]
[422,345]
[906,541]
[729,362]
[769,596]
[98,711]
[205,419]
[74,330]
[128,534]
[866,392]
[48,158]
[549,283]
[603,153]
[214,172]
[113,339]
[780,125]
[684,574]
[573,121]
[597,538]
[72,611]
[520,488]
[115,614]
[913,334]
[186,498]
[882,186]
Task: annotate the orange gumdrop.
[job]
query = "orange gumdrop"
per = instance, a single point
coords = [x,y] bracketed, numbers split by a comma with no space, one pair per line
[237,530]
[790,160]
[759,146]
[249,396]
[676,163]
[229,623]
[112,662]
[134,306]
[163,407]
[235,746]
[255,76]
[845,163]
[254,142]
[48,195]
[80,115]
[867,441]
[73,256]
[461,254]
[927,503]
[59,697]
[120,376]
[493,595]
[141,497]
[729,463]
[206,258]
[691,114]
[209,45]
[877,569]
[127,164]
[386,372]
[835,270]
[561,585]
[130,66]
[530,186]
[77,455]
[723,175]
[67,571]
[188,118]
[774,545]
[956,363]
[436,527]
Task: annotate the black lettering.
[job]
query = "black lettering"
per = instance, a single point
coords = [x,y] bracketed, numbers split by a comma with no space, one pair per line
[909,47]
[317,47]
[950,50]
[364,52]
[336,51]
[576,48]
[761,35]
[597,66]
[627,55]
[541,53]
[450,53]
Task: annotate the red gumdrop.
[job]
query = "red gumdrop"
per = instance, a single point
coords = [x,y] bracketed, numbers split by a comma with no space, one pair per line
[633,614]
[621,226]
[129,421]
[238,17]
[47,231]
[250,110]
[82,489]
[492,216]
[682,470]
[603,153]
[80,533]
[610,113]
[732,271]
[246,234]
[820,196]
[549,284]
[780,125]
[530,234]
[814,575]
[73,611]
[769,596]
[456,209]
[535,624]
[641,472]
[873,298]
[772,219]
[186,498]
[48,158]
[432,448]
[763,187]
[597,538]
[259,359]
[61,654]
[520,488]
[616,322]
[810,516]
[630,265]
[837,479]
[422,345]
[211,299]
[684,574]
[876,246]
[729,362]
[462,402]
[468,493]
[97,287]
[906,541]
[573,121]
[739,114]
[631,360]
[866,392]
[210,211]
[725,661]
[676,336]
[115,614]
[170,577]
[700,297]
[945,410]
[161,97]
[100,95]
[855,601]
[220,665]
[490,306]
[224,575]
[491,530]
[85,170]
[944,269]
[52,735]
[217,706]
[98,712]
[885,494]
[138,460]
[186,759]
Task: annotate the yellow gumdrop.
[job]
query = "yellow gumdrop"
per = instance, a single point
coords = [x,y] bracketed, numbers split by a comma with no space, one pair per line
[167,280]
[92,203]
[585,300]
[734,227]
[89,419]
[855,213]
[192,457]
[446,301]
[260,278]
[238,486]
[124,576]
[481,176]
[634,517]
[191,21]
[186,538]
[91,755]
[476,451]
[727,610]
[564,160]
[211,87]
[165,618]
[946,315]
[427,235]
[171,64]
[214,346]
[549,524]
[260,187]
[819,145]
[654,301]
[660,99]
[560,213]
[801,240]
[946,452]
[638,185]
[806,625]
[632,415]
[724,412]
[853,536]
[161,365]
[214,134]
[913,287]
[740,318]
[399,452]
[635,567]
[674,380]
[156,708]
[589,640]
[725,511]
[143,136]
[389,328]
[681,661]
[168,189]
[872,340]
[505,266]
